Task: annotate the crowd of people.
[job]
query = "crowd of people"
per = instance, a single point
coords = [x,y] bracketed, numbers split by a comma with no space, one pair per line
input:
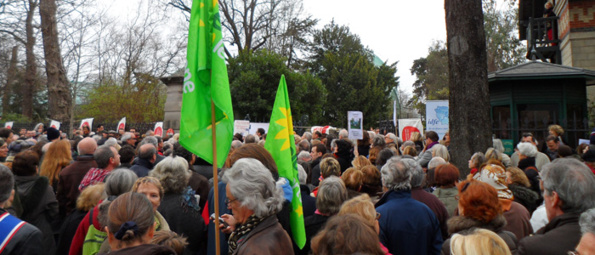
[124,192]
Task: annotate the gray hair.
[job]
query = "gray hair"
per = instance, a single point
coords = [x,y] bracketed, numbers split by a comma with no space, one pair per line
[405,144]
[334,144]
[302,175]
[587,221]
[304,156]
[236,144]
[439,150]
[331,195]
[436,162]
[173,174]
[573,181]
[527,149]
[417,176]
[251,139]
[308,135]
[478,158]
[397,173]
[392,137]
[343,133]
[378,140]
[119,182]
[304,145]
[6,183]
[497,143]
[492,153]
[126,136]
[252,184]
[150,139]
[102,155]
[111,142]
[96,137]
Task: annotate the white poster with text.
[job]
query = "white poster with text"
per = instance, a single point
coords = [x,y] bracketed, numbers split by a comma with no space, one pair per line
[437,116]
[355,121]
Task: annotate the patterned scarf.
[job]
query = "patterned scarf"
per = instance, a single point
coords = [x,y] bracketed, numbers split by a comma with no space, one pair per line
[241,231]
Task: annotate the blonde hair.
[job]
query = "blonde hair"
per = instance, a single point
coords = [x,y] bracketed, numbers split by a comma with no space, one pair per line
[557,129]
[415,137]
[360,162]
[329,166]
[362,206]
[479,241]
[517,176]
[90,196]
[57,157]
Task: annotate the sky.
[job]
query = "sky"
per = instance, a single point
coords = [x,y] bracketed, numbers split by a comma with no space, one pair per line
[396,30]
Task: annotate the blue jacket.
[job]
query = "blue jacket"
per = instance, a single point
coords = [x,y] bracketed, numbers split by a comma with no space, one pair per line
[407,226]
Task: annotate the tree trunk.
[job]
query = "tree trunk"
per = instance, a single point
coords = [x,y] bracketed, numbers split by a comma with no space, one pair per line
[31,66]
[58,87]
[10,77]
[469,103]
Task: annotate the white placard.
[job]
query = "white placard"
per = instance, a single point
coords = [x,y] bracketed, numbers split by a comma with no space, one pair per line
[437,116]
[408,126]
[87,122]
[158,130]
[241,126]
[254,126]
[55,124]
[121,125]
[9,124]
[355,122]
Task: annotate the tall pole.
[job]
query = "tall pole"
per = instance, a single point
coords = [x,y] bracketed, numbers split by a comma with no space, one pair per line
[215,178]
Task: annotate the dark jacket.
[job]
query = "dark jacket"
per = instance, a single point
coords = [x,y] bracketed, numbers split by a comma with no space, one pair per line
[313,225]
[201,185]
[308,202]
[70,178]
[145,249]
[316,171]
[407,226]
[528,166]
[524,196]
[267,238]
[185,220]
[461,223]
[68,230]
[24,240]
[40,206]
[435,205]
[559,236]
[141,167]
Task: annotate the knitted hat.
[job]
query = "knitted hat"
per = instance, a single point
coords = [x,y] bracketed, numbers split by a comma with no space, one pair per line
[53,133]
[495,176]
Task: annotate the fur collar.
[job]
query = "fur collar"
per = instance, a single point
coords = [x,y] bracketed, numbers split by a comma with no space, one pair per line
[459,223]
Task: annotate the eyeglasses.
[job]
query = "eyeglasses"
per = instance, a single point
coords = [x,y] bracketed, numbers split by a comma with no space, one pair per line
[573,253]
[228,202]
[377,215]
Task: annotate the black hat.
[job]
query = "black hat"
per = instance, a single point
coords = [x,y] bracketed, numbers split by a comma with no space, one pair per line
[53,133]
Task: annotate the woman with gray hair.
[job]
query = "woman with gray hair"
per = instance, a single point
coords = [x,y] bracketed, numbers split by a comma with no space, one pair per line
[254,199]
[331,195]
[179,206]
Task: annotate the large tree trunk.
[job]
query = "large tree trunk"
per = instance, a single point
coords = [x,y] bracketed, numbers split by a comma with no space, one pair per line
[470,125]
[10,78]
[58,87]
[31,66]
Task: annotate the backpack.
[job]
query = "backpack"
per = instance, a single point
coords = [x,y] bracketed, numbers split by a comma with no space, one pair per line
[93,239]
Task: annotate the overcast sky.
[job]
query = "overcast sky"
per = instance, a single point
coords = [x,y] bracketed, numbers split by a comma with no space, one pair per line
[396,30]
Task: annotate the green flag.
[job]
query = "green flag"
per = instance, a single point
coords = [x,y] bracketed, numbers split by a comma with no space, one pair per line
[206,79]
[281,144]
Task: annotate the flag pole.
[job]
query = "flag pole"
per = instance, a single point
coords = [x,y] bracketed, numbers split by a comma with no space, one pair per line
[215,179]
